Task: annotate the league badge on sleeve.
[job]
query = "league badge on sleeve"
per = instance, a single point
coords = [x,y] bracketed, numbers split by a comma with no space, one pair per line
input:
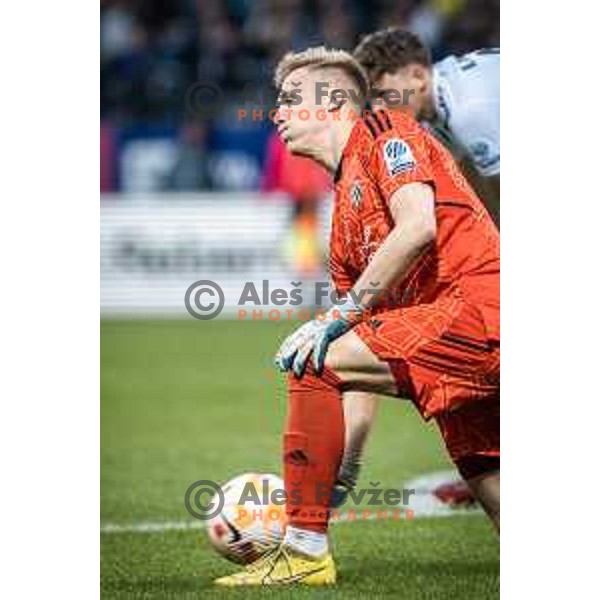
[398,156]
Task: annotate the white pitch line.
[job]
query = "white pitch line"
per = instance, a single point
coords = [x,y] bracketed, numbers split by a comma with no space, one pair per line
[423,504]
[151,526]
[162,526]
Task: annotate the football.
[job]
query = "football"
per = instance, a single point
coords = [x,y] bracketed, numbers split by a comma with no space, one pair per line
[249,524]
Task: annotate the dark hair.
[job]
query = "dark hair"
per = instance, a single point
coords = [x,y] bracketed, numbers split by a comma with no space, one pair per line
[388,50]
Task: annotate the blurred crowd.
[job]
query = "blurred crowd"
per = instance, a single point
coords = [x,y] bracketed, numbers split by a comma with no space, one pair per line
[152,52]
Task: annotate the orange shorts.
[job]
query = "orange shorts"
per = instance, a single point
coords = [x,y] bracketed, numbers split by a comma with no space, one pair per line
[444,361]
[472,430]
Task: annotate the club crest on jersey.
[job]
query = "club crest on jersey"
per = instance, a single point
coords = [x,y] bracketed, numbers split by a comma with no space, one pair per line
[356,195]
[482,154]
[398,156]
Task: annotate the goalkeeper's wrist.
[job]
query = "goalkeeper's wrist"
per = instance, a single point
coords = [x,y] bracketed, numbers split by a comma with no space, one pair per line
[349,311]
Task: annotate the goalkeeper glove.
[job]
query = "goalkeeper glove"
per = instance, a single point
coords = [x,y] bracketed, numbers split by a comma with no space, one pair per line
[314,337]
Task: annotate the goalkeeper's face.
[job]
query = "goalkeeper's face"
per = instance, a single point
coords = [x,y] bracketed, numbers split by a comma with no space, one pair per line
[305,112]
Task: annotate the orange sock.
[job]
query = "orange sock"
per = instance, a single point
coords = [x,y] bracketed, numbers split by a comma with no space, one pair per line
[313,447]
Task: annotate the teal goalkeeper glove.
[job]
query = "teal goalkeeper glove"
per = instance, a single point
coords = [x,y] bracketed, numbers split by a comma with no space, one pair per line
[314,337]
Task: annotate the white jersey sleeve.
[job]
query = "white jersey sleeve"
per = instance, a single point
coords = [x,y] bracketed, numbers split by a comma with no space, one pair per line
[467,99]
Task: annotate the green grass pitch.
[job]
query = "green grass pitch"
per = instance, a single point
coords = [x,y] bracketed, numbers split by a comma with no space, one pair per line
[188,400]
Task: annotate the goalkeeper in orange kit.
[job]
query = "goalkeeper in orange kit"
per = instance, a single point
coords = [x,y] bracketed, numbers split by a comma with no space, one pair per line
[416,256]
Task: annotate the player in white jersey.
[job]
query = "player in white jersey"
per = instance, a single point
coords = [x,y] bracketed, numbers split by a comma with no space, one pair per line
[458,98]
[466,94]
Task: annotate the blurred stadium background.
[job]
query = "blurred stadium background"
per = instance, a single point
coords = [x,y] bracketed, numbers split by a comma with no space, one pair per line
[212,176]
[186,196]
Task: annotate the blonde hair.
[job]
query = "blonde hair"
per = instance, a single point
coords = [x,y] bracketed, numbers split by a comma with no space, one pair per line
[320,57]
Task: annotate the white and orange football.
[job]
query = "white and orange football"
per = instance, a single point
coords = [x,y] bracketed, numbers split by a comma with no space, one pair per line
[250,523]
